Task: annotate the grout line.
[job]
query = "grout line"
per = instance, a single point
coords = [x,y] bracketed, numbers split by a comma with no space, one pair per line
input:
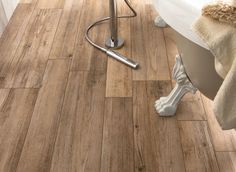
[193,120]
[18,88]
[60,116]
[118,97]
[233,151]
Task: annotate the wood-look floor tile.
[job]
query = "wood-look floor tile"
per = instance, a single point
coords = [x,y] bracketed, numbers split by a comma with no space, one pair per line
[198,151]
[119,76]
[16,109]
[148,46]
[46,4]
[25,1]
[39,143]
[12,36]
[171,47]
[64,41]
[226,161]
[118,138]
[69,124]
[79,142]
[85,56]
[27,67]
[157,140]
[191,108]
[222,140]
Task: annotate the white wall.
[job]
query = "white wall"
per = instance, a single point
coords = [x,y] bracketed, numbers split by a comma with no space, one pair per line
[7,8]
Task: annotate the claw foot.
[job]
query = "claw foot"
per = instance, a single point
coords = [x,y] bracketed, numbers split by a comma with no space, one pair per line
[159,22]
[167,106]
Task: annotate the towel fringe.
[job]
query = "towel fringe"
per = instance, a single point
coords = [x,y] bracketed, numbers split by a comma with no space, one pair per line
[222,12]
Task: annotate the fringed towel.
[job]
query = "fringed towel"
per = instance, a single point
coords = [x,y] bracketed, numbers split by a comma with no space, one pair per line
[217,27]
[223,11]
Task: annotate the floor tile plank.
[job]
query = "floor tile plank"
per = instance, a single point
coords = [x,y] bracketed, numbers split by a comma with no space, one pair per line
[149,53]
[198,151]
[191,108]
[85,56]
[222,140]
[79,142]
[16,109]
[119,76]
[157,141]
[12,36]
[64,41]
[45,4]
[227,161]
[171,47]
[39,144]
[27,67]
[118,139]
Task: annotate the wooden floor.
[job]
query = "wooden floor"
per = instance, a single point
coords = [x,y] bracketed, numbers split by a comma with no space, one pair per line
[66,107]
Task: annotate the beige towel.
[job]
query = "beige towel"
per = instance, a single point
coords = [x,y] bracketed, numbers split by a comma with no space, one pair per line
[219,32]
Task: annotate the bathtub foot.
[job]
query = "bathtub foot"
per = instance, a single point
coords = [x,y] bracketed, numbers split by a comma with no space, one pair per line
[159,22]
[167,106]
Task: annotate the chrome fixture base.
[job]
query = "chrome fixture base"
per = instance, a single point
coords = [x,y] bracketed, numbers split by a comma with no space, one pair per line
[115,44]
[167,106]
[159,22]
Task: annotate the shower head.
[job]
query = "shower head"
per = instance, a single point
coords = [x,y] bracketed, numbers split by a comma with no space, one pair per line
[122,58]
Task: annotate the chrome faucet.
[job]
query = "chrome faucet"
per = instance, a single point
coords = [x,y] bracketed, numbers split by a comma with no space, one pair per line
[113,42]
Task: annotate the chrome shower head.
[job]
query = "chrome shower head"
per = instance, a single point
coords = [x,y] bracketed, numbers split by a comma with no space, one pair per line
[122,58]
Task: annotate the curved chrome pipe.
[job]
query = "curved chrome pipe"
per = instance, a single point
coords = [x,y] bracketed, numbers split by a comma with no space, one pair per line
[111,53]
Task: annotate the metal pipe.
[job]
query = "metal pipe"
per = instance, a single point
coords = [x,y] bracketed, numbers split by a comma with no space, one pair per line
[113,20]
[114,41]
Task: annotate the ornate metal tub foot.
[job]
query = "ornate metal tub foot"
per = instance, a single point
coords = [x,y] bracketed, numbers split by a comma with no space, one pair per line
[159,22]
[167,106]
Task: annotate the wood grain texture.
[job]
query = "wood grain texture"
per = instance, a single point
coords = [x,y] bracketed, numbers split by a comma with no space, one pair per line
[118,139]
[171,48]
[64,41]
[33,2]
[12,36]
[119,76]
[198,151]
[157,141]
[26,1]
[46,4]
[85,56]
[222,140]
[79,141]
[191,108]
[89,113]
[148,46]
[16,109]
[27,67]
[39,144]
[227,161]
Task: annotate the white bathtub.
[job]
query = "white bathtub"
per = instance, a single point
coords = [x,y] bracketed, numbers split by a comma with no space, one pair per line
[196,57]
[180,14]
